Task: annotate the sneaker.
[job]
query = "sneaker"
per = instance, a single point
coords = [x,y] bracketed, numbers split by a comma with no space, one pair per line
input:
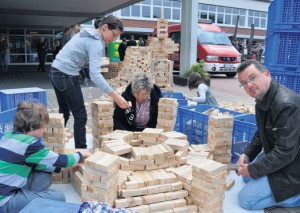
[85,82]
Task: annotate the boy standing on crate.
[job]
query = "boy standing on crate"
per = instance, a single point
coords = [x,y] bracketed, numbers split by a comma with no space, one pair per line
[26,165]
[274,175]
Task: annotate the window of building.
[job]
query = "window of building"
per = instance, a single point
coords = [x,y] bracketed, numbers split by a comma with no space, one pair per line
[227,15]
[257,18]
[152,9]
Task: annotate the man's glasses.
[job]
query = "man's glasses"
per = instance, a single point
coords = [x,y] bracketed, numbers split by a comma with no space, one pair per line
[250,80]
[114,34]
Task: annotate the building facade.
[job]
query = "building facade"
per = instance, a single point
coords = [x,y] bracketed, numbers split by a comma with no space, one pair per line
[141,18]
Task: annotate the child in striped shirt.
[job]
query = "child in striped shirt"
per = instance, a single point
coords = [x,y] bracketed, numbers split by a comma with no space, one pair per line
[26,165]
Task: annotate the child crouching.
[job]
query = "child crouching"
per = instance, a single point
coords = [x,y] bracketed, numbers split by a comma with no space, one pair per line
[26,165]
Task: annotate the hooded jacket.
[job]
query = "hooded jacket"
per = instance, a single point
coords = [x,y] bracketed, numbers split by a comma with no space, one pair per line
[125,119]
[86,46]
[278,120]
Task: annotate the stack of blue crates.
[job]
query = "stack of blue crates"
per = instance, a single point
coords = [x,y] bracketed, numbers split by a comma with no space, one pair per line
[11,97]
[181,100]
[194,123]
[282,56]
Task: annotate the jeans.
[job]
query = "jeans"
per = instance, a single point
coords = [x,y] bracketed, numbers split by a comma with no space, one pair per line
[257,194]
[69,97]
[4,61]
[36,187]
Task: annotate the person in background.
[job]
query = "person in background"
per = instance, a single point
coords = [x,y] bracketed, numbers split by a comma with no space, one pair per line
[41,49]
[141,42]
[145,38]
[3,55]
[122,49]
[66,36]
[26,165]
[56,47]
[270,163]
[64,73]
[204,95]
[131,42]
[144,97]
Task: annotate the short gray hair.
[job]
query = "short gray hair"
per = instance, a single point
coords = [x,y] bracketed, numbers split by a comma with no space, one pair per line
[141,82]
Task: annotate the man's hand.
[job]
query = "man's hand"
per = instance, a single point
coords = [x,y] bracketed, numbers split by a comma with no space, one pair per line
[242,160]
[243,170]
[122,103]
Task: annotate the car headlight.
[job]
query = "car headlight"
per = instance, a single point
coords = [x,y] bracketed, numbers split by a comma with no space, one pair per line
[239,59]
[211,58]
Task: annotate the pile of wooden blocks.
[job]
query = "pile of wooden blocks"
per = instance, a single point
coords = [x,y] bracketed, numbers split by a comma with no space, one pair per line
[153,191]
[161,47]
[238,106]
[102,120]
[167,111]
[100,176]
[113,70]
[55,136]
[150,136]
[219,136]
[136,61]
[208,186]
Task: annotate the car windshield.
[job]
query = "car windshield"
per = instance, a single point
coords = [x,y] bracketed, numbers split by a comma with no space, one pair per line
[215,38]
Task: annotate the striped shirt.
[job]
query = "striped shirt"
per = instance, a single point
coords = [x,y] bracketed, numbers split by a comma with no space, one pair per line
[19,153]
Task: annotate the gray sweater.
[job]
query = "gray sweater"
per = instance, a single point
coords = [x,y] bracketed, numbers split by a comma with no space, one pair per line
[88,45]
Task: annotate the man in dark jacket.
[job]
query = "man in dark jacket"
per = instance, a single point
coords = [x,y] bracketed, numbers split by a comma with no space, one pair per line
[144,97]
[42,52]
[122,49]
[275,174]
[131,42]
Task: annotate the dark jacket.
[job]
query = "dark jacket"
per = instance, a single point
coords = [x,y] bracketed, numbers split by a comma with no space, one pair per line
[125,119]
[41,48]
[278,120]
[121,50]
[131,43]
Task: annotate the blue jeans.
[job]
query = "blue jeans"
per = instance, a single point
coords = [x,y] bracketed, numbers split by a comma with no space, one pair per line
[37,186]
[257,194]
[69,97]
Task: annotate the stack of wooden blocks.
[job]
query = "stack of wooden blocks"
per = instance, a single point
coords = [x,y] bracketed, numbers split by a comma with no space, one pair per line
[136,61]
[150,136]
[102,119]
[238,106]
[116,147]
[161,47]
[208,186]
[153,191]
[100,176]
[55,137]
[167,112]
[184,174]
[220,136]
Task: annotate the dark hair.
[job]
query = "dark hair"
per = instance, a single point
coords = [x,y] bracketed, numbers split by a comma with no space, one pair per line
[66,29]
[132,37]
[123,39]
[30,116]
[112,22]
[247,63]
[194,80]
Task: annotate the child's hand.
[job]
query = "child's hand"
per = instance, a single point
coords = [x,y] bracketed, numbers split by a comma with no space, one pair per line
[189,98]
[85,155]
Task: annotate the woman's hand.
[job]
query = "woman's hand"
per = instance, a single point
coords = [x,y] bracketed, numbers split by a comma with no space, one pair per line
[122,103]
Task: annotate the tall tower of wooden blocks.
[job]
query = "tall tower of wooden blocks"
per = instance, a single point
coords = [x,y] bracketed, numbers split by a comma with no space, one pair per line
[161,47]
[102,118]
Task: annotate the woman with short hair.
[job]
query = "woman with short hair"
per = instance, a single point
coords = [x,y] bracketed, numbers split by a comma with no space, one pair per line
[144,97]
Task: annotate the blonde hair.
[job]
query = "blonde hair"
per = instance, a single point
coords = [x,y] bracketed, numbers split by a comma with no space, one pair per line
[30,116]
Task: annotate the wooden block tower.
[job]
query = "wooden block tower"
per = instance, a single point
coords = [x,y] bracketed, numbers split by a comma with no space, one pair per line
[167,111]
[161,47]
[102,119]
[220,137]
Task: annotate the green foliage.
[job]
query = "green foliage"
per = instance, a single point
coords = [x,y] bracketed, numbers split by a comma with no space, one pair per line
[199,68]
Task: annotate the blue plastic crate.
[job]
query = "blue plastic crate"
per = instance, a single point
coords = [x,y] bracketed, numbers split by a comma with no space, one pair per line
[283,14]
[282,50]
[291,81]
[195,124]
[244,128]
[11,97]
[176,95]
[6,121]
